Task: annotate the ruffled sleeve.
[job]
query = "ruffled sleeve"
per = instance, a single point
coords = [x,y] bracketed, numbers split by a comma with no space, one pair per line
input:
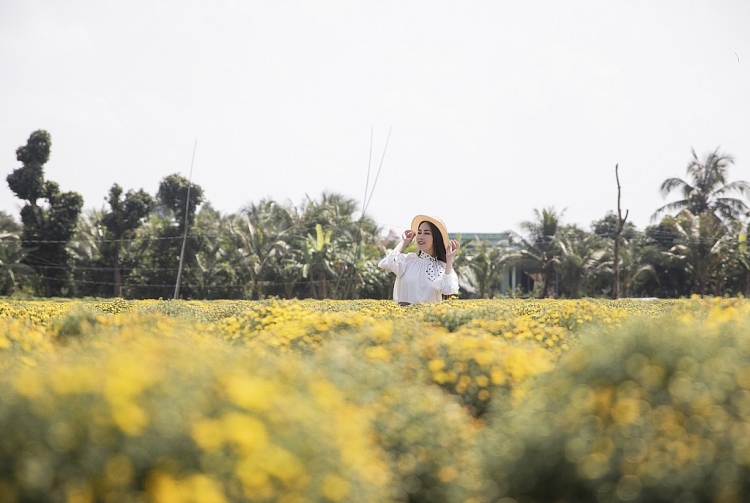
[394,262]
[447,284]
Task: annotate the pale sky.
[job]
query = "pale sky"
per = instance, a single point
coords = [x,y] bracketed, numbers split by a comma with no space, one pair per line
[497,107]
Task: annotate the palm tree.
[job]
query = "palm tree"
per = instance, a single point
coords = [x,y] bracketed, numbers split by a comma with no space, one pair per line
[353,246]
[634,268]
[485,264]
[91,274]
[707,190]
[580,254]
[214,274]
[541,248]
[698,248]
[262,238]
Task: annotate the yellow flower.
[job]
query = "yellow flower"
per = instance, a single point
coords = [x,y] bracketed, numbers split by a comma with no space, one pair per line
[335,488]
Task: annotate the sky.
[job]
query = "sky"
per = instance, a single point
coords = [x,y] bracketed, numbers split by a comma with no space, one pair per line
[495,108]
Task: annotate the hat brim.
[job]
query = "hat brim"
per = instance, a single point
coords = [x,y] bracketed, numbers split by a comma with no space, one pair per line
[436,222]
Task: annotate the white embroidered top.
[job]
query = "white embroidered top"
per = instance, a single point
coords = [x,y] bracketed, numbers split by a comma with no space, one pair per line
[419,278]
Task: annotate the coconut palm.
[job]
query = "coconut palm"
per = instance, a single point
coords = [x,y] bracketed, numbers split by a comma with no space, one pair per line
[634,267]
[214,275]
[707,189]
[354,244]
[580,254]
[262,237]
[698,248]
[91,274]
[540,248]
[485,264]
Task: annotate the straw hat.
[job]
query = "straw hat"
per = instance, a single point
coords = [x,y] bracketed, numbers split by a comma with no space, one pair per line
[436,222]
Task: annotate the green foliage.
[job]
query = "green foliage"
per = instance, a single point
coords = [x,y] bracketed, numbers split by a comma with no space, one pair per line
[121,221]
[12,268]
[173,196]
[8,225]
[579,261]
[46,229]
[540,249]
[705,192]
[27,182]
[155,259]
[607,226]
[75,323]
[317,265]
[485,264]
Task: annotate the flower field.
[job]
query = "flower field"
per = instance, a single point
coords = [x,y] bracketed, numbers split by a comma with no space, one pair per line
[348,401]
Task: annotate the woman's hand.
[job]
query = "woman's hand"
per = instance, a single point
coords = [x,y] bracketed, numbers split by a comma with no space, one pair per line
[452,250]
[450,253]
[407,237]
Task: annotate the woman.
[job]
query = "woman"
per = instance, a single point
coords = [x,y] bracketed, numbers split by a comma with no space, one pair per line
[428,275]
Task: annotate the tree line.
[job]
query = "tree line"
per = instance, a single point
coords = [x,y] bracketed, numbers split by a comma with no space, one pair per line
[322,249]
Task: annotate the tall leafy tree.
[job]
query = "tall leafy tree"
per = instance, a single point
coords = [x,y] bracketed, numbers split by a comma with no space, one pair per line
[707,189]
[156,260]
[121,221]
[47,228]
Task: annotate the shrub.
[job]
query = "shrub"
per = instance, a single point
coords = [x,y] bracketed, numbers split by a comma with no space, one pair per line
[431,441]
[657,411]
[147,407]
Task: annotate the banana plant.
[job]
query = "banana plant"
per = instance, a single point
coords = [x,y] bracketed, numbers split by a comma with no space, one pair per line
[11,262]
[317,266]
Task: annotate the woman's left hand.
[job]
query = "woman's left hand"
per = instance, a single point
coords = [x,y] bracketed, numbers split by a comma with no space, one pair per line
[452,250]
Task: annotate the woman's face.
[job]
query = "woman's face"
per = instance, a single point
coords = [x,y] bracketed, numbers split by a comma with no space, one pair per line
[424,238]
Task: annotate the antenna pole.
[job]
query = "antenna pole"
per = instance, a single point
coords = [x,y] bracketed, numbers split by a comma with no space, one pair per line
[184,237]
[377,175]
[367,183]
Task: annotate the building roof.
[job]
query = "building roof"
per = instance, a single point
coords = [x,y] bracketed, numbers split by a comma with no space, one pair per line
[492,238]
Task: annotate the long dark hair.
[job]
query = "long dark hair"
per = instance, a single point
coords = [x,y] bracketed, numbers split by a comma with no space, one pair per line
[438,245]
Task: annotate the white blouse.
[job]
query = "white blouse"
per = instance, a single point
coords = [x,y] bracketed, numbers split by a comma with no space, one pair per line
[419,278]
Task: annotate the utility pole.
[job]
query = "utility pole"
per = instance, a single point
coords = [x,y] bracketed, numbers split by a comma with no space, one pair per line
[184,237]
[618,233]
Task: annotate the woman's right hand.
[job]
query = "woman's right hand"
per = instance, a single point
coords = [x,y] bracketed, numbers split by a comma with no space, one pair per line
[407,237]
